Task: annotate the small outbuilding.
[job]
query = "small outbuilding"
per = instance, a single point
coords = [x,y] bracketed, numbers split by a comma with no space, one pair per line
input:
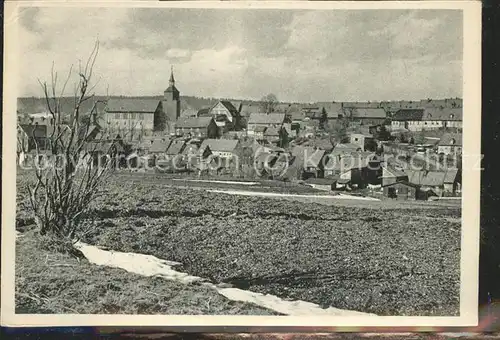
[402,190]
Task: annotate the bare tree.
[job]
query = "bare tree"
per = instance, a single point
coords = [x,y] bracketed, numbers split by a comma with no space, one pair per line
[339,131]
[63,188]
[268,103]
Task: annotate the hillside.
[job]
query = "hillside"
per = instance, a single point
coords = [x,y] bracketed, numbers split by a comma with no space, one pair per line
[28,105]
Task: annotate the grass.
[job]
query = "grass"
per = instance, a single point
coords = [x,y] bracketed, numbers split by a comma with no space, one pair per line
[383,257]
[383,261]
[48,282]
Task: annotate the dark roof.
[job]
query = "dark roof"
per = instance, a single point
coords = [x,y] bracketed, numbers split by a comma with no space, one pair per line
[451,139]
[176,147]
[365,112]
[264,118]
[132,105]
[193,123]
[451,114]
[159,145]
[408,114]
[229,106]
[221,145]
[203,112]
[172,88]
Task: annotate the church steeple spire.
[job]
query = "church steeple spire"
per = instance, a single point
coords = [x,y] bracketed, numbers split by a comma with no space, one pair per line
[172,80]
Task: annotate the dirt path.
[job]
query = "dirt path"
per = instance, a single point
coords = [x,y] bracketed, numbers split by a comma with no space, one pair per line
[148,265]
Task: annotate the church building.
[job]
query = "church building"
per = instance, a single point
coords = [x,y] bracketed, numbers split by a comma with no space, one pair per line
[135,117]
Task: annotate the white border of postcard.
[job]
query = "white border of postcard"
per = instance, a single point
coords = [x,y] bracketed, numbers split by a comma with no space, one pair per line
[471,179]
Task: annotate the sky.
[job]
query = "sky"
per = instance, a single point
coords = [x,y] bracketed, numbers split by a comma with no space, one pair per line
[298,55]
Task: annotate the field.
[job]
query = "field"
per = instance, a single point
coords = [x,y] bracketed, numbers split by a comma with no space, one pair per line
[381,257]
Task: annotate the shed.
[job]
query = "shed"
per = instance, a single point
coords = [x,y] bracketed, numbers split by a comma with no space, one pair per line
[401,190]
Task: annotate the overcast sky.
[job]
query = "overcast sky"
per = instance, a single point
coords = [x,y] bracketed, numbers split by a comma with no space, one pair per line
[299,55]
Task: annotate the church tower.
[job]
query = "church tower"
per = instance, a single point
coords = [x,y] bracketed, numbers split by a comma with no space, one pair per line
[171,101]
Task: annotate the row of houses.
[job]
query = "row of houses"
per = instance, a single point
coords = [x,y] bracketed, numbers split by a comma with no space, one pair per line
[427,119]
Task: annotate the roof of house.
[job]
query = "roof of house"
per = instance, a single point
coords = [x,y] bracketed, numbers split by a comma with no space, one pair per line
[220,145]
[132,105]
[390,172]
[450,175]
[260,128]
[348,161]
[361,104]
[248,108]
[313,155]
[321,143]
[451,139]
[272,132]
[403,182]
[189,112]
[450,114]
[190,149]
[229,106]
[176,147]
[159,145]
[345,148]
[359,112]
[408,114]
[193,123]
[297,116]
[203,112]
[264,118]
[431,178]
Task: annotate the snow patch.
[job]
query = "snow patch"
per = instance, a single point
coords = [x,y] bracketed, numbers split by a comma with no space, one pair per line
[213,181]
[271,194]
[148,265]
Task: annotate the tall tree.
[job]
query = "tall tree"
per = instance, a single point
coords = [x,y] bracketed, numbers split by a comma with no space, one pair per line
[339,131]
[323,119]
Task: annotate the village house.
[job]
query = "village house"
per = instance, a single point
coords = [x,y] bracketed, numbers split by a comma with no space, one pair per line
[222,148]
[401,190]
[408,119]
[312,161]
[258,121]
[436,118]
[276,136]
[364,142]
[225,154]
[355,170]
[226,116]
[200,127]
[450,144]
[365,116]
[439,183]
[391,175]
